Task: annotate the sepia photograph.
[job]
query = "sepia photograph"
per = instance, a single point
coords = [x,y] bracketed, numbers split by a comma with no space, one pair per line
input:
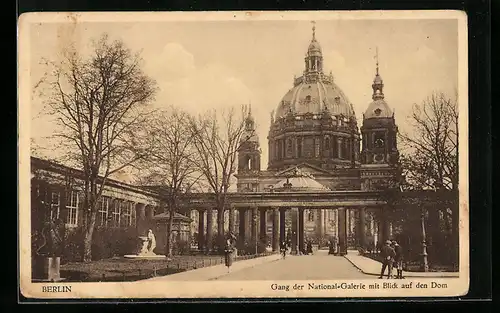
[243,154]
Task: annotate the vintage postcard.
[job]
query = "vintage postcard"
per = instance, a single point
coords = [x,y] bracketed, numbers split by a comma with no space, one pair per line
[243,154]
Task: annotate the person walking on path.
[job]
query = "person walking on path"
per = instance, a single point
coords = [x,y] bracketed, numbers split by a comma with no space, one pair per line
[229,254]
[283,248]
[398,259]
[388,254]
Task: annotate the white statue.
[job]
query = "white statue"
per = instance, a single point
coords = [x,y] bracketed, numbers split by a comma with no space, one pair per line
[151,242]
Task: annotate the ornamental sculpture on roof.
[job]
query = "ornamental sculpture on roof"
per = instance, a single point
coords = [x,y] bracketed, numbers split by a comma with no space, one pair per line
[296,172]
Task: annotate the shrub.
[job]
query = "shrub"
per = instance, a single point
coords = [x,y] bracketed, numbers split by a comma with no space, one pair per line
[248,248]
[181,247]
[106,243]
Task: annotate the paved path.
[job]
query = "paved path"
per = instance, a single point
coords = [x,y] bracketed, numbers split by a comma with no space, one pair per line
[372,267]
[216,271]
[304,267]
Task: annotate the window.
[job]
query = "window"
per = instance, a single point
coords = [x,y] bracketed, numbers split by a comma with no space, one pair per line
[327,143]
[316,148]
[116,213]
[126,210]
[72,208]
[310,215]
[378,140]
[54,206]
[289,148]
[299,147]
[103,211]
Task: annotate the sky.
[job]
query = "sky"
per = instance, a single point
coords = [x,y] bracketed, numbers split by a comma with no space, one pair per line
[201,65]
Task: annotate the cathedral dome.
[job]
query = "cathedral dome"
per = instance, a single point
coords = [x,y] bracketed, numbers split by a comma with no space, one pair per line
[315,97]
[314,122]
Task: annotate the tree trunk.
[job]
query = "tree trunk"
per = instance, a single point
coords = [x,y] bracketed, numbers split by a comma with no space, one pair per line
[168,244]
[87,240]
[90,215]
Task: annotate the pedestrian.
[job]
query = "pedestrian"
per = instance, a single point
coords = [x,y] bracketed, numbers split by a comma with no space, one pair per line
[398,259]
[283,248]
[229,254]
[309,247]
[388,254]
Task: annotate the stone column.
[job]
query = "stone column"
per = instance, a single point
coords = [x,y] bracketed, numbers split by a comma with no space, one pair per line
[301,230]
[385,226]
[242,226]
[295,213]
[339,147]
[248,225]
[231,219]
[342,234]
[336,218]
[254,225]
[276,229]
[201,229]
[263,225]
[362,227]
[210,231]
[140,224]
[319,223]
[282,224]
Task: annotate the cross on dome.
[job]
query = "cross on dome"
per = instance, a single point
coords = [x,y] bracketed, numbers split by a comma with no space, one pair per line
[314,30]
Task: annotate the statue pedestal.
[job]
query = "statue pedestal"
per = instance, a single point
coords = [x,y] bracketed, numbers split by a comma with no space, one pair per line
[145,257]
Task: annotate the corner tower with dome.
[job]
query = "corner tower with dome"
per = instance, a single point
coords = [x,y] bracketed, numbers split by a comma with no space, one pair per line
[314,145]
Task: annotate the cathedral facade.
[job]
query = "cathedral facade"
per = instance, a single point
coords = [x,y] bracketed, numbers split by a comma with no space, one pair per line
[315,144]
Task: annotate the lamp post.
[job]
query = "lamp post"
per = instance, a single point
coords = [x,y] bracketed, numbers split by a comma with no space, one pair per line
[425,264]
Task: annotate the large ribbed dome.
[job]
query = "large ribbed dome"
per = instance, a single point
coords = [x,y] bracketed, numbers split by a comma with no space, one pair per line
[313,98]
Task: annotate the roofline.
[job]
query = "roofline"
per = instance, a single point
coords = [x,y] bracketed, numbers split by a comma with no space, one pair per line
[43,164]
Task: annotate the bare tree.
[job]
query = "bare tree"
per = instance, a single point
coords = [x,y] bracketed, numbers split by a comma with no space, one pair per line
[218,137]
[431,159]
[171,164]
[432,146]
[99,101]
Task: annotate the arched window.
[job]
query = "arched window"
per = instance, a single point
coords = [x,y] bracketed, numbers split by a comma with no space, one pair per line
[249,163]
[327,143]
[310,215]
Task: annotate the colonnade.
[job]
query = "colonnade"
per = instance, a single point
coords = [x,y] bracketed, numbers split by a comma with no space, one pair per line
[253,226]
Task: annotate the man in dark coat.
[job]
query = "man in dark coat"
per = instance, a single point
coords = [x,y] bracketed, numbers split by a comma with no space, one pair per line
[283,248]
[229,254]
[398,259]
[388,254]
